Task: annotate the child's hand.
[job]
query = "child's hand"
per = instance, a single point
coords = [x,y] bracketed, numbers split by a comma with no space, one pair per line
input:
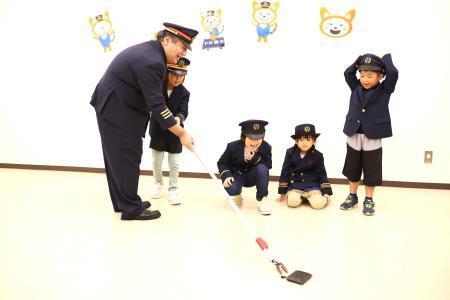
[248,155]
[178,120]
[328,197]
[228,182]
[281,198]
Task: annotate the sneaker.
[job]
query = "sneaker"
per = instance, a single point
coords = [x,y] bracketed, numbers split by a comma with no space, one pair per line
[350,202]
[157,191]
[368,209]
[237,199]
[174,199]
[264,206]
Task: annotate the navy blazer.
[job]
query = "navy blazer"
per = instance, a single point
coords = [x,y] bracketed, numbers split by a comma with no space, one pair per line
[232,161]
[163,139]
[132,87]
[370,109]
[303,173]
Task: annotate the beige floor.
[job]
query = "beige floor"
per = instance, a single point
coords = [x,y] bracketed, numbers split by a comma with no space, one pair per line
[59,239]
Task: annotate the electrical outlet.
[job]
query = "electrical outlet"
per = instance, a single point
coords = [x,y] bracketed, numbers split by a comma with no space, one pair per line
[428,159]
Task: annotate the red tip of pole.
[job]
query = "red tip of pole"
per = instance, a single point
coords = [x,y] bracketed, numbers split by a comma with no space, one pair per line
[262,244]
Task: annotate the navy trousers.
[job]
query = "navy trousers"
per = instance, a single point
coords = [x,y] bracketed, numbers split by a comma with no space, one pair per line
[122,155]
[257,175]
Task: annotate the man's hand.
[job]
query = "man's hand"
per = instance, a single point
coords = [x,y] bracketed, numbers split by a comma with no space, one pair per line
[228,182]
[187,140]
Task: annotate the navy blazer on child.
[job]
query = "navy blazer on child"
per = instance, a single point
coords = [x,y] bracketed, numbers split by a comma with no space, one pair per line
[370,108]
[303,173]
[232,161]
[162,139]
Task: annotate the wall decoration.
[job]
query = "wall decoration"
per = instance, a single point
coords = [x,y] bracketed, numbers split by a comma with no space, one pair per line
[265,18]
[212,23]
[102,30]
[336,26]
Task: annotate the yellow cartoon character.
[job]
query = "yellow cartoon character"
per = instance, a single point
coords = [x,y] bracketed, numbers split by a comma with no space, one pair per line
[211,20]
[102,29]
[212,23]
[336,26]
[265,18]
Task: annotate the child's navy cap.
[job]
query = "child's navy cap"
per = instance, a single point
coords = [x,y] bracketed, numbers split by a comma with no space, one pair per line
[304,130]
[254,129]
[180,67]
[186,35]
[371,62]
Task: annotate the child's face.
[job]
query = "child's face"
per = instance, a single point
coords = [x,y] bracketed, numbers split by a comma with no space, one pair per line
[175,79]
[304,143]
[369,79]
[252,144]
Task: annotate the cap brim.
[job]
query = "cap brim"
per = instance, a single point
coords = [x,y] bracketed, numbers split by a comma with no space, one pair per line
[255,136]
[296,136]
[370,68]
[186,44]
[178,72]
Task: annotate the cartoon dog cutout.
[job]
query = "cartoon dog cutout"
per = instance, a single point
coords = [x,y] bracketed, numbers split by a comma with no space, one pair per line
[265,18]
[212,23]
[102,30]
[336,26]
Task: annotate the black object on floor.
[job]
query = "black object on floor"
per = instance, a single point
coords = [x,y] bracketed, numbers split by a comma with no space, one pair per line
[299,277]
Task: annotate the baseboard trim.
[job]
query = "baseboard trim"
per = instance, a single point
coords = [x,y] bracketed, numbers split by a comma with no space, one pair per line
[403,184]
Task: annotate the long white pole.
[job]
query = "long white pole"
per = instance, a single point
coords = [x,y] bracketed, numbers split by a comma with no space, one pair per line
[250,229]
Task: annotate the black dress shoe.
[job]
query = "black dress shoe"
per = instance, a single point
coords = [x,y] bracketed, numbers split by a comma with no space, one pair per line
[146,215]
[145,205]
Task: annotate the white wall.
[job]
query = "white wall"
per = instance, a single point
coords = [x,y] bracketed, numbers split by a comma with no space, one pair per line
[50,65]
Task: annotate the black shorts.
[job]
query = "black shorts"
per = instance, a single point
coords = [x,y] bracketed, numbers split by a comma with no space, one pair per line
[369,162]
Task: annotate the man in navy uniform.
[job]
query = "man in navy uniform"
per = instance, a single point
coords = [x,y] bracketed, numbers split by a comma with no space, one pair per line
[130,89]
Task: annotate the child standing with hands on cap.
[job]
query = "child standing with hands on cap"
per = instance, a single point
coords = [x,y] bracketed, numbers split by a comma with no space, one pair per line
[367,122]
[303,175]
[177,101]
[246,163]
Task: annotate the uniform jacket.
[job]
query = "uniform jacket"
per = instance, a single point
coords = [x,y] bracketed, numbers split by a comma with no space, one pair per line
[370,110]
[164,140]
[232,161]
[302,173]
[132,86]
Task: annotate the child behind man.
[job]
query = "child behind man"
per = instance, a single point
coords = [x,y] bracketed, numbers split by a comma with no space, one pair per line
[177,101]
